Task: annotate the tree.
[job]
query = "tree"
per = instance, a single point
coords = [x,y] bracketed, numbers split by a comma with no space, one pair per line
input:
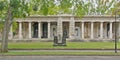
[11,9]
[116,8]
[43,7]
[100,7]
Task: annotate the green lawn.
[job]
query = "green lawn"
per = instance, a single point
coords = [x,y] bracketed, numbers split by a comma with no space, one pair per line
[70,45]
[62,53]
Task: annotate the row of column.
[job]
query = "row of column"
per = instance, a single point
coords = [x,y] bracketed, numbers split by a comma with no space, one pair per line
[72,29]
[101,30]
[59,29]
[30,30]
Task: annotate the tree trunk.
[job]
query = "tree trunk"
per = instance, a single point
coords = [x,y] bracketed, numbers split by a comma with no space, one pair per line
[6,29]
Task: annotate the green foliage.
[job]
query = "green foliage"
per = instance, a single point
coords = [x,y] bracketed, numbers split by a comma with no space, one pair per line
[80,8]
[1,25]
[65,6]
[75,7]
[14,26]
[98,7]
[116,8]
[19,8]
[2,5]
[15,3]
[42,7]
[35,7]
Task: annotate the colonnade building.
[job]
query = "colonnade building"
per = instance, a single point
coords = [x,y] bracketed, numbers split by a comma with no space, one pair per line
[86,28]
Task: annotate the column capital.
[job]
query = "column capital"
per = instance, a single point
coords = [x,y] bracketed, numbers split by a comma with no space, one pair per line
[83,21]
[111,21]
[92,21]
[48,21]
[101,21]
[20,21]
[39,21]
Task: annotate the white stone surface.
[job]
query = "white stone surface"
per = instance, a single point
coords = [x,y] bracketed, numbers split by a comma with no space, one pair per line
[20,30]
[30,27]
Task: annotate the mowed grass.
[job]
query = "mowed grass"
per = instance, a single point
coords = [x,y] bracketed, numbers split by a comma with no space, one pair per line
[62,53]
[70,45]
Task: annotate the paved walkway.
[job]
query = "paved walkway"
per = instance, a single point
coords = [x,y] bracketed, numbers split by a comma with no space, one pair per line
[60,58]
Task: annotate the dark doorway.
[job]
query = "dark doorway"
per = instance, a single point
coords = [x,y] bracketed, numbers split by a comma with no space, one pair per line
[108,29]
[45,30]
[35,30]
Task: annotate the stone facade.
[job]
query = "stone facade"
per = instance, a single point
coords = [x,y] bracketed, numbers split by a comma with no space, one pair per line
[87,28]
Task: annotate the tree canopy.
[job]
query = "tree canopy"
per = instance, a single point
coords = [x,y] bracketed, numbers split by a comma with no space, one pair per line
[80,7]
[22,8]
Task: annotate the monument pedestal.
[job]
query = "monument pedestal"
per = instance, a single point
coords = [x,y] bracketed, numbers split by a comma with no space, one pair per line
[60,41]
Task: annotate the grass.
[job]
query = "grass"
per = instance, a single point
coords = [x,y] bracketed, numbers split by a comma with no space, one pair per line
[70,45]
[62,53]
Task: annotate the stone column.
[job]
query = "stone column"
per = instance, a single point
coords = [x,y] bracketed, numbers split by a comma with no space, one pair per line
[39,30]
[92,28]
[20,30]
[59,26]
[111,34]
[30,30]
[48,29]
[101,30]
[71,28]
[82,30]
